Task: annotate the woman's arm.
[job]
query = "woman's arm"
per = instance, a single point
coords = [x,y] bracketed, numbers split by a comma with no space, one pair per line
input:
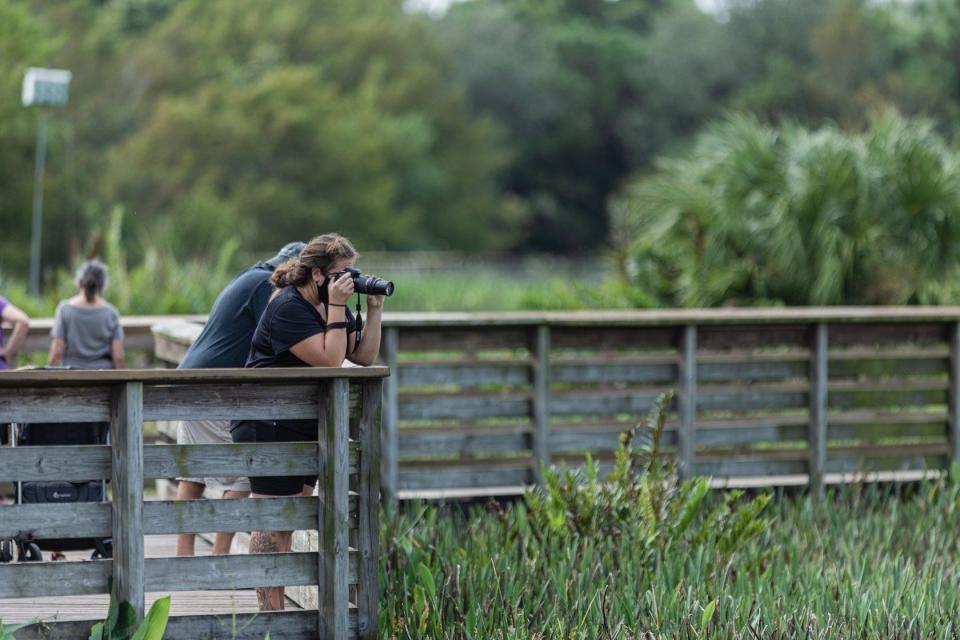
[325,349]
[117,354]
[322,349]
[366,353]
[57,348]
[21,323]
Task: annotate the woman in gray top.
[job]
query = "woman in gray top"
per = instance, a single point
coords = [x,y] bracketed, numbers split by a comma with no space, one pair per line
[86,330]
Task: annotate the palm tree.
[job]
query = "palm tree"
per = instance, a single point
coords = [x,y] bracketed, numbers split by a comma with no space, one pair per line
[759,215]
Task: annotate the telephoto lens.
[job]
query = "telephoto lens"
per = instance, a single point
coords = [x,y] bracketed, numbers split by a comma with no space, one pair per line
[371,285]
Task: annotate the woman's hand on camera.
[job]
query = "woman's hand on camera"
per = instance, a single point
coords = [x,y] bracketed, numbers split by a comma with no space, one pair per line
[374,302]
[340,290]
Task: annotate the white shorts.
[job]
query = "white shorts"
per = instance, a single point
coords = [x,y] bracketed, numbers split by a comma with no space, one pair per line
[210,432]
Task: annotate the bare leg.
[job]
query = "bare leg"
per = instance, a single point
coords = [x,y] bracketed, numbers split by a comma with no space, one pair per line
[187,491]
[223,539]
[270,598]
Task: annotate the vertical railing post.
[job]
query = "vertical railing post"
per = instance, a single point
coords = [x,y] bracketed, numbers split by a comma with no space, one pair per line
[126,428]
[368,508]
[687,403]
[334,510]
[953,418]
[390,435]
[818,409]
[541,401]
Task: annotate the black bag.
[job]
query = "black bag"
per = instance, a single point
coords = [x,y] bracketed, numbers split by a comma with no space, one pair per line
[45,434]
[45,492]
[39,434]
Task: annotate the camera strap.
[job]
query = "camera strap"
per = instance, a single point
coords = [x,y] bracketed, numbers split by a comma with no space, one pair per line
[359,319]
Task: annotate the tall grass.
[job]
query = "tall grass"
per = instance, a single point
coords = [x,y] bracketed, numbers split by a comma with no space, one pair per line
[866,562]
[639,556]
[160,284]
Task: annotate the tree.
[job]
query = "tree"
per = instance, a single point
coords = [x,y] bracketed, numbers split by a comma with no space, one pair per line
[758,215]
[25,41]
[344,121]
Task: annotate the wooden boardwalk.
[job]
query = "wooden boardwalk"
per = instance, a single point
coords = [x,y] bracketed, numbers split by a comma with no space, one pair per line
[242,602]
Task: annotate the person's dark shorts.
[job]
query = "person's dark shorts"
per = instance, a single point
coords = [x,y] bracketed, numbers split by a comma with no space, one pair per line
[276,431]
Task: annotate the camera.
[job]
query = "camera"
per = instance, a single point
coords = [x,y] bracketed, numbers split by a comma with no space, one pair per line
[369,285]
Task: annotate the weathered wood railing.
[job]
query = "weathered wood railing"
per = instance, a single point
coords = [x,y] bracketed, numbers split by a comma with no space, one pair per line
[138,338]
[478,401]
[346,403]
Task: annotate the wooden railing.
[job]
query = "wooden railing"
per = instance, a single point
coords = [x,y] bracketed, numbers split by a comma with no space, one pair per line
[138,336]
[346,403]
[478,401]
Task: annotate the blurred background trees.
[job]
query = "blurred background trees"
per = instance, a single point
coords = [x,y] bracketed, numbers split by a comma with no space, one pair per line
[765,151]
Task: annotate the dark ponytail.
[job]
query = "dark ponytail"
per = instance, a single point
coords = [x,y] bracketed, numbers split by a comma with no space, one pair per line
[92,279]
[320,253]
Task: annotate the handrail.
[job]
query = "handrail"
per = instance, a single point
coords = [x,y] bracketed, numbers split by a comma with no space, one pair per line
[762,315]
[69,377]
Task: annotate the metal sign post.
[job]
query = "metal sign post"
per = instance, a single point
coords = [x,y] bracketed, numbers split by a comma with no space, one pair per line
[42,88]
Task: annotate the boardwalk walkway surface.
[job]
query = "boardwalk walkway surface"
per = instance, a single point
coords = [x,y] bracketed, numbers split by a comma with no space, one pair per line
[242,602]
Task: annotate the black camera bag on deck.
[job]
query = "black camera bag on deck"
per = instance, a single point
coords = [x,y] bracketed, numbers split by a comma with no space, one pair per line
[62,491]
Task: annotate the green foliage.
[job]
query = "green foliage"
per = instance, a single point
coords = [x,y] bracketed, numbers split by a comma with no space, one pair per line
[642,495]
[597,94]
[865,562]
[158,284]
[578,557]
[760,215]
[7,630]
[25,41]
[216,120]
[121,621]
[219,120]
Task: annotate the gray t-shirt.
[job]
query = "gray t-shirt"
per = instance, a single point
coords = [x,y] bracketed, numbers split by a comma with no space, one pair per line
[88,332]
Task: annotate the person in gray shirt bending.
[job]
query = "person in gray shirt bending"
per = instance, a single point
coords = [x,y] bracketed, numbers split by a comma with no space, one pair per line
[225,343]
[86,332]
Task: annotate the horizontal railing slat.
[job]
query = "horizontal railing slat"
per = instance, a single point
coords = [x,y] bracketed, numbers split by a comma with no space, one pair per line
[63,404]
[884,397]
[444,442]
[464,407]
[752,397]
[234,459]
[32,579]
[603,402]
[425,374]
[748,466]
[63,520]
[242,514]
[457,475]
[594,440]
[595,372]
[719,372]
[243,571]
[229,402]
[92,462]
[72,463]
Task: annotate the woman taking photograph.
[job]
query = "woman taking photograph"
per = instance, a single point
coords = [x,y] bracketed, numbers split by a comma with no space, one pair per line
[86,330]
[305,324]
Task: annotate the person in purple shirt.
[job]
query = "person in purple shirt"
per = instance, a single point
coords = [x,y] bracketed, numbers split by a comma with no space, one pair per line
[9,314]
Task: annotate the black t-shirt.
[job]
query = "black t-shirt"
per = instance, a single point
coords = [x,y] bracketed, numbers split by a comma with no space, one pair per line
[288,319]
[225,340]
